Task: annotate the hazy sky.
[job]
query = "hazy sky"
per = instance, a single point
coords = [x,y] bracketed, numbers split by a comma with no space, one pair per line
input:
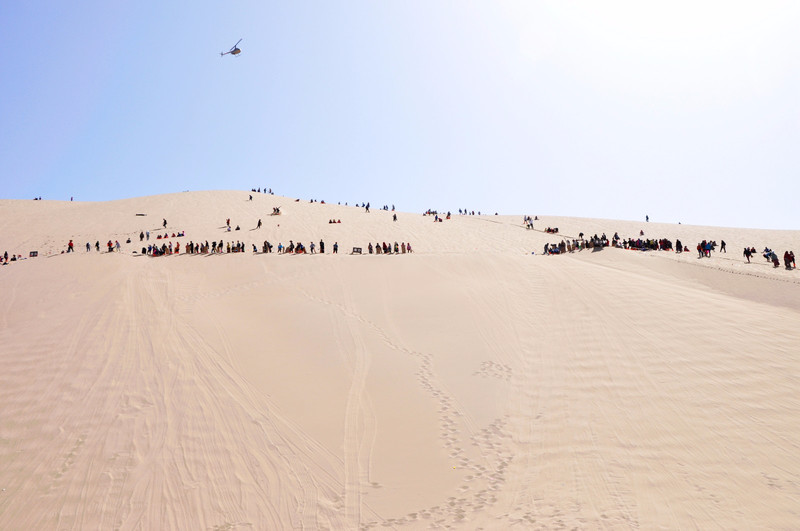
[686,111]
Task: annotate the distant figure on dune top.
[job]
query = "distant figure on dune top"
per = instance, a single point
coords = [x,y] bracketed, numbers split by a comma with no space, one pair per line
[165,223]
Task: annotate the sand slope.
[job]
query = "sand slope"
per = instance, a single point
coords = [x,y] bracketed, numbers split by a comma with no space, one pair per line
[468,385]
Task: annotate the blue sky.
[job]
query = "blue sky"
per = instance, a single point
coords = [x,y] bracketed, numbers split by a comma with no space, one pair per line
[684,111]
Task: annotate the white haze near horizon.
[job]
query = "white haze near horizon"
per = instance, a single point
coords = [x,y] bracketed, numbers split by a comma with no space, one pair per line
[683,111]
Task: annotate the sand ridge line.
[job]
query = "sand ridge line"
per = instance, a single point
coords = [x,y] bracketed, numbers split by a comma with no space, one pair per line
[713,264]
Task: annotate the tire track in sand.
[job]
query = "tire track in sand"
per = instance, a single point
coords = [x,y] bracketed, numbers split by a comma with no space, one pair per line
[359,419]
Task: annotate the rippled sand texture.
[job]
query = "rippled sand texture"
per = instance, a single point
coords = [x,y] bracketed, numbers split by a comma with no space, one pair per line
[470,385]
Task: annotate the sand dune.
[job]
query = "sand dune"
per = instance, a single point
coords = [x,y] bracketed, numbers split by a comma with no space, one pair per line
[470,385]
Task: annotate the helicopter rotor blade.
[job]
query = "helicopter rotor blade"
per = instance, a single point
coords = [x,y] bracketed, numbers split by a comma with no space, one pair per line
[237,43]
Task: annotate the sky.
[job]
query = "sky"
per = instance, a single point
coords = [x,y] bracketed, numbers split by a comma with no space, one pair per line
[683,111]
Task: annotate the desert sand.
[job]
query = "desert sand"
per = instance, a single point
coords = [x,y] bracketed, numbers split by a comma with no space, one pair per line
[469,385]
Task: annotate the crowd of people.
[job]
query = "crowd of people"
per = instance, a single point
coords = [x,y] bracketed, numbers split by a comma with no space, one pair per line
[384,248]
[4,259]
[772,256]
[570,246]
[166,246]
[704,248]
[640,244]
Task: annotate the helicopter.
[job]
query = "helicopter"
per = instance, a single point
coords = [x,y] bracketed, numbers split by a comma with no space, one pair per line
[234,50]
